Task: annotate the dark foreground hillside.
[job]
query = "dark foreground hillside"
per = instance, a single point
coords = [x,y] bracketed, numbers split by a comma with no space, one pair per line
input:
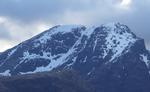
[65,81]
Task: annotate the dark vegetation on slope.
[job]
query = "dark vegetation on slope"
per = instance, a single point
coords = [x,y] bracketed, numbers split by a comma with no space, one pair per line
[66,81]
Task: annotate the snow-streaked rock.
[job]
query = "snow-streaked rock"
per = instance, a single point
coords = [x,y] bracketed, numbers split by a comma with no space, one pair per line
[145,59]
[70,46]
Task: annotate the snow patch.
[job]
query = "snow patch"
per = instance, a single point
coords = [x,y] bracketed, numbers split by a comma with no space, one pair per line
[85,59]
[104,54]
[145,59]
[31,56]
[5,73]
[95,43]
[12,52]
[27,55]
[89,31]
[74,60]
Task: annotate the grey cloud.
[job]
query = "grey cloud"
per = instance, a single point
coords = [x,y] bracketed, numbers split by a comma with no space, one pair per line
[4,34]
[86,12]
[139,19]
[29,10]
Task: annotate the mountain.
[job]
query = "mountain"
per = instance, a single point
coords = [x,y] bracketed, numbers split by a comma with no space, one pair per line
[110,56]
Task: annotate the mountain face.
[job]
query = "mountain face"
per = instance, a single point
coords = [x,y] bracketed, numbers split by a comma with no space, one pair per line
[110,56]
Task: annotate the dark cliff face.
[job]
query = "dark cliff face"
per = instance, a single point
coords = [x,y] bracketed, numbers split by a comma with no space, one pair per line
[110,56]
[128,74]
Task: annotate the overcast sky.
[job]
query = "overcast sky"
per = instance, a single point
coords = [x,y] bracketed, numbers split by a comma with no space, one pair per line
[22,19]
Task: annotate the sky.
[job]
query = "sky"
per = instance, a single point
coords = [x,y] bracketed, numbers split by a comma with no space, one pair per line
[23,19]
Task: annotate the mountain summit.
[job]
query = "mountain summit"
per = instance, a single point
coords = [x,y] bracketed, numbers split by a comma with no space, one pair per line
[110,55]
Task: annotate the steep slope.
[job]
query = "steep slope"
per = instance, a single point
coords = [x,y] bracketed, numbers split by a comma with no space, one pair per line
[110,56]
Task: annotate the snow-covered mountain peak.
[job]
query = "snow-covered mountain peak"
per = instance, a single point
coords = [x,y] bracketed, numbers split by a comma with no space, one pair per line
[62,29]
[65,28]
[107,56]
[69,46]
[119,38]
[117,28]
[114,29]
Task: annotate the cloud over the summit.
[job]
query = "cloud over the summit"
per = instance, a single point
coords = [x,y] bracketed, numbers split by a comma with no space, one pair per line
[21,19]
